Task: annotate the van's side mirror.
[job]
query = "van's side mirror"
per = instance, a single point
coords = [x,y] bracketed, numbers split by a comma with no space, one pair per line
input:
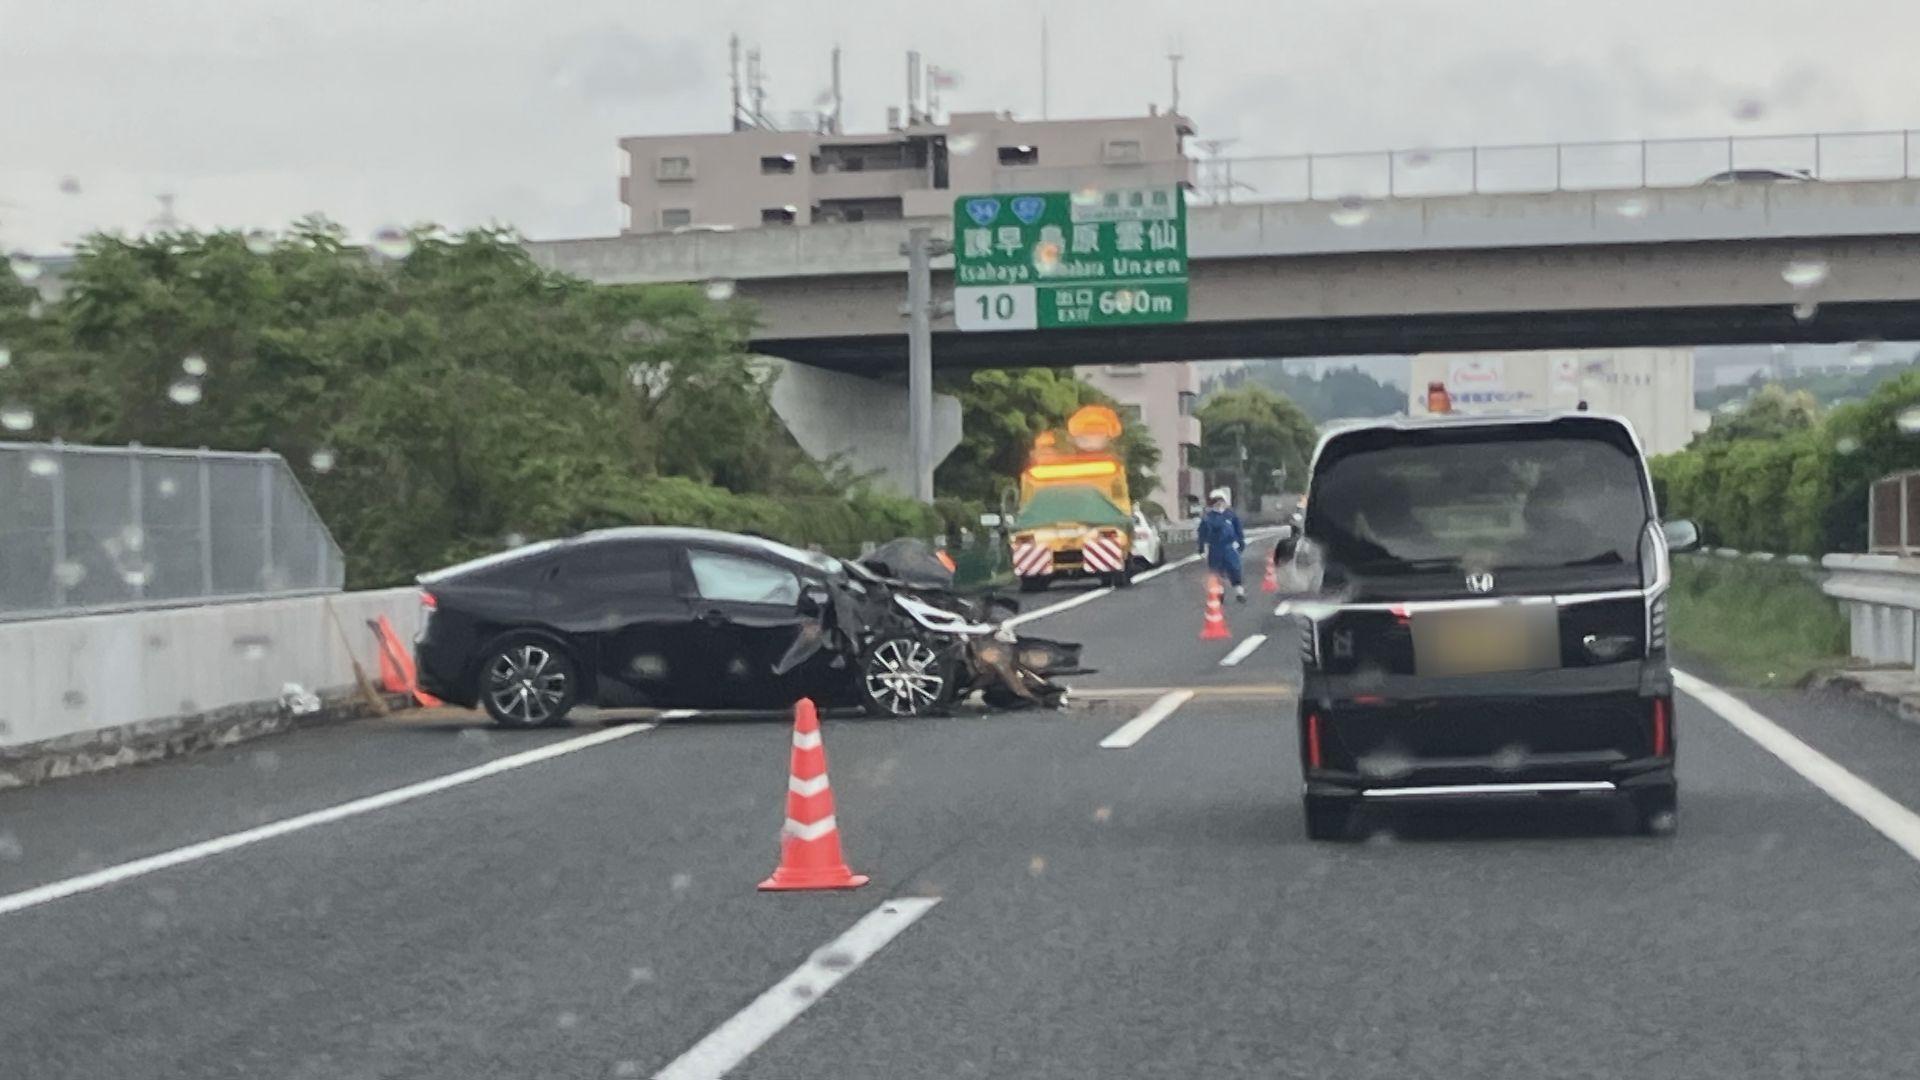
[1682,535]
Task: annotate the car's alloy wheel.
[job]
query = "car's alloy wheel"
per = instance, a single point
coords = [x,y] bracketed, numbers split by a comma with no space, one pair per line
[528,684]
[904,677]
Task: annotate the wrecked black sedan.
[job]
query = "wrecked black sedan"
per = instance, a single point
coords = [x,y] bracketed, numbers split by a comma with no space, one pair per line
[696,619]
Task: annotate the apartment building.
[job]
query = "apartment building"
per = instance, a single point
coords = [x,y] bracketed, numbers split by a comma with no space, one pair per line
[745,179]
[1162,397]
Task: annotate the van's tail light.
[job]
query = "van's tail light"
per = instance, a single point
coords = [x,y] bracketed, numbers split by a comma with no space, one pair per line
[1313,740]
[429,601]
[1662,727]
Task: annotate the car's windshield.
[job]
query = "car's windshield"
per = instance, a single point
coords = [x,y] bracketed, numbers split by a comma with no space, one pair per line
[1503,501]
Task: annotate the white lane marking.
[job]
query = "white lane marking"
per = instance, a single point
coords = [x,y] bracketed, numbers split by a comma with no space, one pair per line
[220,845]
[678,714]
[1165,567]
[1134,730]
[1893,820]
[1243,650]
[1055,609]
[749,1029]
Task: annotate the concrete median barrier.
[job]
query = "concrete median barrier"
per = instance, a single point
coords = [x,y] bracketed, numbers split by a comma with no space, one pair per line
[97,691]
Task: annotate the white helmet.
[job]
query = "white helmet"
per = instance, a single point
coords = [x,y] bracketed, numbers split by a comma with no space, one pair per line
[1220,495]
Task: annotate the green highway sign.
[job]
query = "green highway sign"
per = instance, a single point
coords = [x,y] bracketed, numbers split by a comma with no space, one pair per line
[1056,259]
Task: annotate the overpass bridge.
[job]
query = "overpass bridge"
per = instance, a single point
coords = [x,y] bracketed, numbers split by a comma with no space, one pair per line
[1680,266]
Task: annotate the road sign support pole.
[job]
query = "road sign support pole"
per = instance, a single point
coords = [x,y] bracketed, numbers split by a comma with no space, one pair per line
[920,358]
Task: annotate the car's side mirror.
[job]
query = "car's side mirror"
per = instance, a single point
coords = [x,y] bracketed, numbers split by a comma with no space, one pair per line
[814,598]
[1682,535]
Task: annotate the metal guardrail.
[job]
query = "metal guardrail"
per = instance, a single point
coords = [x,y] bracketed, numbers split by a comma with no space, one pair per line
[92,529]
[1547,167]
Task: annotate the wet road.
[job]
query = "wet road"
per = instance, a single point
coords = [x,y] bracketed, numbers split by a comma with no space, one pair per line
[1145,911]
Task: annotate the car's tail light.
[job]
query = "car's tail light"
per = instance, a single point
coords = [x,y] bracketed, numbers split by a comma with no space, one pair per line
[1662,733]
[1313,740]
[428,600]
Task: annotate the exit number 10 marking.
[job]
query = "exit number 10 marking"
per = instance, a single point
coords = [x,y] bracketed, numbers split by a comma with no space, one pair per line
[996,307]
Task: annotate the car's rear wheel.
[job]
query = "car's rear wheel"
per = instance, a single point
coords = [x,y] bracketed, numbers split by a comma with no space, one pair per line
[528,683]
[904,676]
[1329,817]
[1656,810]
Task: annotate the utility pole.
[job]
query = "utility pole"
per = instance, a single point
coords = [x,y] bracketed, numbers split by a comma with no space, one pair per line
[836,90]
[1174,58]
[733,65]
[920,249]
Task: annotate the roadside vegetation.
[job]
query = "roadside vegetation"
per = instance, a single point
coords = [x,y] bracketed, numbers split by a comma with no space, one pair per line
[1753,623]
[442,396]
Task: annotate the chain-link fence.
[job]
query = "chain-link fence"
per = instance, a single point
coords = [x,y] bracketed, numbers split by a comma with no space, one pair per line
[90,528]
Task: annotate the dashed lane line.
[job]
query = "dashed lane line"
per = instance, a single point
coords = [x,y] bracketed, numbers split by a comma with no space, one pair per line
[1243,650]
[220,845]
[749,1029]
[1893,820]
[1131,732]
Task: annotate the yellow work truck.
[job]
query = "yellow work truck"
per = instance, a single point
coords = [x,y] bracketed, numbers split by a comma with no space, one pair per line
[1075,518]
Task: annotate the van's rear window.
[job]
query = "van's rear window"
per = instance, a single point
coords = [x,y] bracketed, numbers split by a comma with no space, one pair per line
[1499,498]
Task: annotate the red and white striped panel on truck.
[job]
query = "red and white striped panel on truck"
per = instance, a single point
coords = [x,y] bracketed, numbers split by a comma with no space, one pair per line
[1102,555]
[1032,560]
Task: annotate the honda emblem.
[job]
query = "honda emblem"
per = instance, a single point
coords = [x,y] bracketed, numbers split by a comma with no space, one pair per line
[1479,582]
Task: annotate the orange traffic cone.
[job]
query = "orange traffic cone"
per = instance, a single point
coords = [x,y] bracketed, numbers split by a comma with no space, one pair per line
[397,673]
[810,855]
[1270,583]
[1215,626]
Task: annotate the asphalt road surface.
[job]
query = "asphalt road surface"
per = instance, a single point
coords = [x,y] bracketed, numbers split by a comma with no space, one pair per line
[427,897]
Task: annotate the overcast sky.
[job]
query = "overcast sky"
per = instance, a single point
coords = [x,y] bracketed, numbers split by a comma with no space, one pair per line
[466,111]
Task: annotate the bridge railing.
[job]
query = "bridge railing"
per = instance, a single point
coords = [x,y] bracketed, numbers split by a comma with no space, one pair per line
[1545,167]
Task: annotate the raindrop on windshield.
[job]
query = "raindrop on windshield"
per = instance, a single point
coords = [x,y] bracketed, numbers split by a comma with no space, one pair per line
[1747,110]
[1086,196]
[69,185]
[962,144]
[567,1021]
[266,761]
[322,461]
[680,883]
[260,242]
[637,976]
[1864,353]
[24,266]
[137,577]
[1103,814]
[391,242]
[133,538]
[1418,159]
[43,465]
[1037,865]
[626,1069]
[194,364]
[254,648]
[1805,310]
[1349,211]
[10,848]
[514,540]
[719,289]
[68,573]
[1510,758]
[1631,207]
[1908,421]
[1805,273]
[168,487]
[184,392]
[16,417]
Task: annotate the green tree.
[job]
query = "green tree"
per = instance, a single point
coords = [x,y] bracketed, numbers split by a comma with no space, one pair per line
[1272,431]
[1002,410]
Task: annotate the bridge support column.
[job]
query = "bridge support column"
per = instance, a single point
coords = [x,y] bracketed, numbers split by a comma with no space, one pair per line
[862,421]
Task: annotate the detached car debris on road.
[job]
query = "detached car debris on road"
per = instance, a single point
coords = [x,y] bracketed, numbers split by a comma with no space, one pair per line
[699,619]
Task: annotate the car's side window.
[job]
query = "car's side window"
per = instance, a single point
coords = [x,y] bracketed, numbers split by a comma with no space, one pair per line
[742,580]
[614,568]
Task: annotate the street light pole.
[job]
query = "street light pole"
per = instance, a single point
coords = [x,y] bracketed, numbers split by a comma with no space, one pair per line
[920,249]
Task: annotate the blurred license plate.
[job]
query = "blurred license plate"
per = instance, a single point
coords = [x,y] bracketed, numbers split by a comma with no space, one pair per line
[1473,641]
